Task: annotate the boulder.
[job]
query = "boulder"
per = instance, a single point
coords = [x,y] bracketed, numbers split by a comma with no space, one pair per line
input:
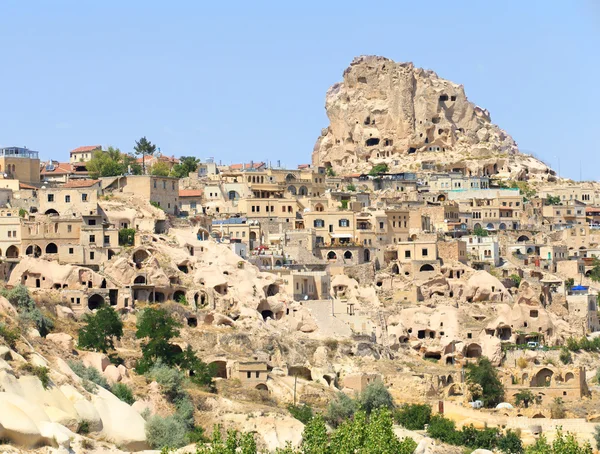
[16,425]
[65,312]
[63,339]
[7,308]
[4,352]
[112,374]
[98,360]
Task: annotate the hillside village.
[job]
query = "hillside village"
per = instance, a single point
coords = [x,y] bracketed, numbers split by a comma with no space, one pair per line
[417,241]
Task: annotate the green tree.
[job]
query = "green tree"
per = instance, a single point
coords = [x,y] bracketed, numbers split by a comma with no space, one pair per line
[142,148]
[374,396]
[565,356]
[201,373]
[123,392]
[100,330]
[413,416]
[510,443]
[160,169]
[111,163]
[186,165]
[557,409]
[594,273]
[562,444]
[330,172]
[302,413]
[158,327]
[552,200]
[351,188]
[314,437]
[484,374]
[480,231]
[597,436]
[377,169]
[516,280]
[126,237]
[524,398]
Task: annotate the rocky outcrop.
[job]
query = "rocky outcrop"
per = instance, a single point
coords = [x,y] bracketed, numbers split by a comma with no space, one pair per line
[411,119]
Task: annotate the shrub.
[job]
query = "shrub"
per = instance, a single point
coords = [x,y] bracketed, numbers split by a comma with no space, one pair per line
[84,428]
[340,409]
[516,280]
[22,212]
[377,169]
[182,300]
[510,443]
[29,313]
[562,444]
[10,335]
[41,372]
[522,362]
[90,376]
[441,429]
[565,356]
[413,416]
[100,330]
[480,231]
[351,188]
[123,392]
[557,409]
[170,380]
[166,432]
[302,413]
[126,237]
[524,397]
[375,395]
[597,436]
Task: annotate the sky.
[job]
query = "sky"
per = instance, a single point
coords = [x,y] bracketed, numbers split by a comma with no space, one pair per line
[246,80]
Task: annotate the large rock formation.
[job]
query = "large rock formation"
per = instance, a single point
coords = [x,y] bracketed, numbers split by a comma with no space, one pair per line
[411,119]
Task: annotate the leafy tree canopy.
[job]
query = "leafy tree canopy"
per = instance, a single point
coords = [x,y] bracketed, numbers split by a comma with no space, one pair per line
[100,330]
[112,163]
[187,165]
[484,374]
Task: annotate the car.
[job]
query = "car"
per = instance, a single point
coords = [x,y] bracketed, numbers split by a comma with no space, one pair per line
[533,345]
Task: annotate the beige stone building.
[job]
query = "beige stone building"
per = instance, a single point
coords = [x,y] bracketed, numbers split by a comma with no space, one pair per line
[10,233]
[20,164]
[160,191]
[83,154]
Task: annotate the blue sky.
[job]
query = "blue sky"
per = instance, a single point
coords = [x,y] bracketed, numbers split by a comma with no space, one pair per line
[247,80]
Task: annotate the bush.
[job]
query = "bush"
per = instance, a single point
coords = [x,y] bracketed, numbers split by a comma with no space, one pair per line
[480,231]
[90,376]
[597,436]
[557,409]
[302,413]
[565,356]
[126,237]
[375,395]
[10,335]
[522,362]
[29,313]
[413,416]
[170,380]
[340,409]
[100,330]
[41,372]
[351,188]
[516,280]
[379,168]
[166,432]
[22,212]
[562,444]
[84,428]
[510,443]
[123,392]
[524,397]
[441,428]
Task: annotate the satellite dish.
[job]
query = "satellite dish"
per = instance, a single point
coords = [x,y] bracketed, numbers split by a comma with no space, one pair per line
[305,297]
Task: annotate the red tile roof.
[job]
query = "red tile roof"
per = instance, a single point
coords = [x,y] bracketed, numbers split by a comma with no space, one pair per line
[86,148]
[60,168]
[303,166]
[190,192]
[26,186]
[255,165]
[80,183]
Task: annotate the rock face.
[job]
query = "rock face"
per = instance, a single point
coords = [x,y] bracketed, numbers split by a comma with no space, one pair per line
[411,119]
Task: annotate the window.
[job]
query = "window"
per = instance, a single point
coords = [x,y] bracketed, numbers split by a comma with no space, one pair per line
[248,374]
[91,255]
[193,205]
[406,254]
[319,223]
[173,185]
[9,234]
[344,223]
[155,185]
[84,197]
[381,225]
[257,374]
[67,199]
[92,238]
[14,233]
[164,185]
[71,251]
[50,197]
[91,222]
[69,228]
[424,252]
[106,239]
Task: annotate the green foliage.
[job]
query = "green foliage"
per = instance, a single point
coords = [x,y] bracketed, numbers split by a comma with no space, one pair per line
[330,172]
[170,380]
[22,212]
[340,408]
[594,273]
[100,330]
[156,204]
[516,280]
[526,190]
[484,374]
[552,200]
[142,148]
[562,444]
[351,188]
[234,443]
[569,283]
[583,343]
[126,237]
[302,413]
[90,375]
[182,300]
[123,392]
[344,204]
[565,356]
[413,416]
[510,443]
[314,437]
[10,335]
[375,396]
[83,428]
[524,398]
[186,165]
[597,436]
[160,169]
[557,409]
[29,313]
[111,163]
[480,231]
[41,372]
[166,432]
[201,373]
[377,169]
[159,328]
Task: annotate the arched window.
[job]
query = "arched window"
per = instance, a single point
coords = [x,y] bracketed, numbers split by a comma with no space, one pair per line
[348,255]
[331,255]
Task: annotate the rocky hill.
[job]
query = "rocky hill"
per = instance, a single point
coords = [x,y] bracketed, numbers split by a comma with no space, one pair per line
[411,119]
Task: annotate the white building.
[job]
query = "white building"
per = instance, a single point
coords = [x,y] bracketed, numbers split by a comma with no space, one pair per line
[483,248]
